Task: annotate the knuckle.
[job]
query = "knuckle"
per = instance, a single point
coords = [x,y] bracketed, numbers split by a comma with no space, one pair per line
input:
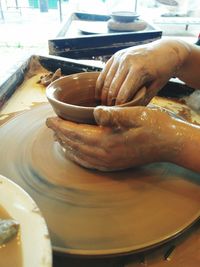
[106,84]
[127,57]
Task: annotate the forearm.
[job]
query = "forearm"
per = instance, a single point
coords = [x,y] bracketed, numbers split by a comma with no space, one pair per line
[185,56]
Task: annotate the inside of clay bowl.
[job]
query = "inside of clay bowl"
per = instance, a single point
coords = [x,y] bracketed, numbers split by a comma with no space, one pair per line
[73,97]
[78,89]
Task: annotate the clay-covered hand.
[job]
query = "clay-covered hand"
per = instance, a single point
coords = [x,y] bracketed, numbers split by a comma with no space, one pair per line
[126,138]
[128,70]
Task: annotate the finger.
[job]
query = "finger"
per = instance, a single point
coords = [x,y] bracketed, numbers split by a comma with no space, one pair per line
[118,117]
[115,85]
[79,147]
[108,80]
[133,82]
[81,160]
[101,79]
[90,157]
[90,134]
[81,153]
[152,91]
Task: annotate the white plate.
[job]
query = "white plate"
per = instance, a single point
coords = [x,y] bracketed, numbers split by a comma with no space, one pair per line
[36,246]
[94,27]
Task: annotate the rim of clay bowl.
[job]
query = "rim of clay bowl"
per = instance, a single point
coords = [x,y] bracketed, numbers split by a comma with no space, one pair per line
[137,100]
[51,89]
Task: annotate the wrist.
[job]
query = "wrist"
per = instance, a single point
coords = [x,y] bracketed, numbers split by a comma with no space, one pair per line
[170,143]
[176,141]
[188,153]
[165,144]
[182,51]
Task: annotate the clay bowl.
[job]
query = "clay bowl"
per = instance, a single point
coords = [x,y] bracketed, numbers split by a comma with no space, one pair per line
[124,16]
[73,97]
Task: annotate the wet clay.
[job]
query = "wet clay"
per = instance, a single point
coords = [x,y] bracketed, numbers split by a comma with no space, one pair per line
[90,212]
[73,97]
[177,107]
[10,252]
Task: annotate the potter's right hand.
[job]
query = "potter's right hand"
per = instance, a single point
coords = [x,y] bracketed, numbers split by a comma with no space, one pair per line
[150,65]
[122,139]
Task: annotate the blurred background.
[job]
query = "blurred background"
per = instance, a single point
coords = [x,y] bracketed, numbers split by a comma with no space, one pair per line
[26,25]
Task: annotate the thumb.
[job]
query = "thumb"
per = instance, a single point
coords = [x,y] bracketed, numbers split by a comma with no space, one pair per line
[117,117]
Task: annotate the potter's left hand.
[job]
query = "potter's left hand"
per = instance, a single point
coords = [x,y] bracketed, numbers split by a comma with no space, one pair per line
[126,138]
[128,70]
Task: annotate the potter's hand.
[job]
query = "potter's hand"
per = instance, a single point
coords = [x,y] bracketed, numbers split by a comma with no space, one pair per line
[130,69]
[127,137]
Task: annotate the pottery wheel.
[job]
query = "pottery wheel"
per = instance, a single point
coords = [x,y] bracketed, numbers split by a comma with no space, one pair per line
[90,212]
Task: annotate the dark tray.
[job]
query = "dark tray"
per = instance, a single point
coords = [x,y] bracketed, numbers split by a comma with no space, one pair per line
[17,74]
[83,44]
[15,77]
[69,66]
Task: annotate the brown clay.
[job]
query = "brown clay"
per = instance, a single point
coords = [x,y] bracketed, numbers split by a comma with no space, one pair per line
[73,97]
[129,137]
[12,247]
[90,212]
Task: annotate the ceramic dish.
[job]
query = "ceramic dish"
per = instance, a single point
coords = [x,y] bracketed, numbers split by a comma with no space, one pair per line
[93,27]
[35,242]
[124,16]
[73,97]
